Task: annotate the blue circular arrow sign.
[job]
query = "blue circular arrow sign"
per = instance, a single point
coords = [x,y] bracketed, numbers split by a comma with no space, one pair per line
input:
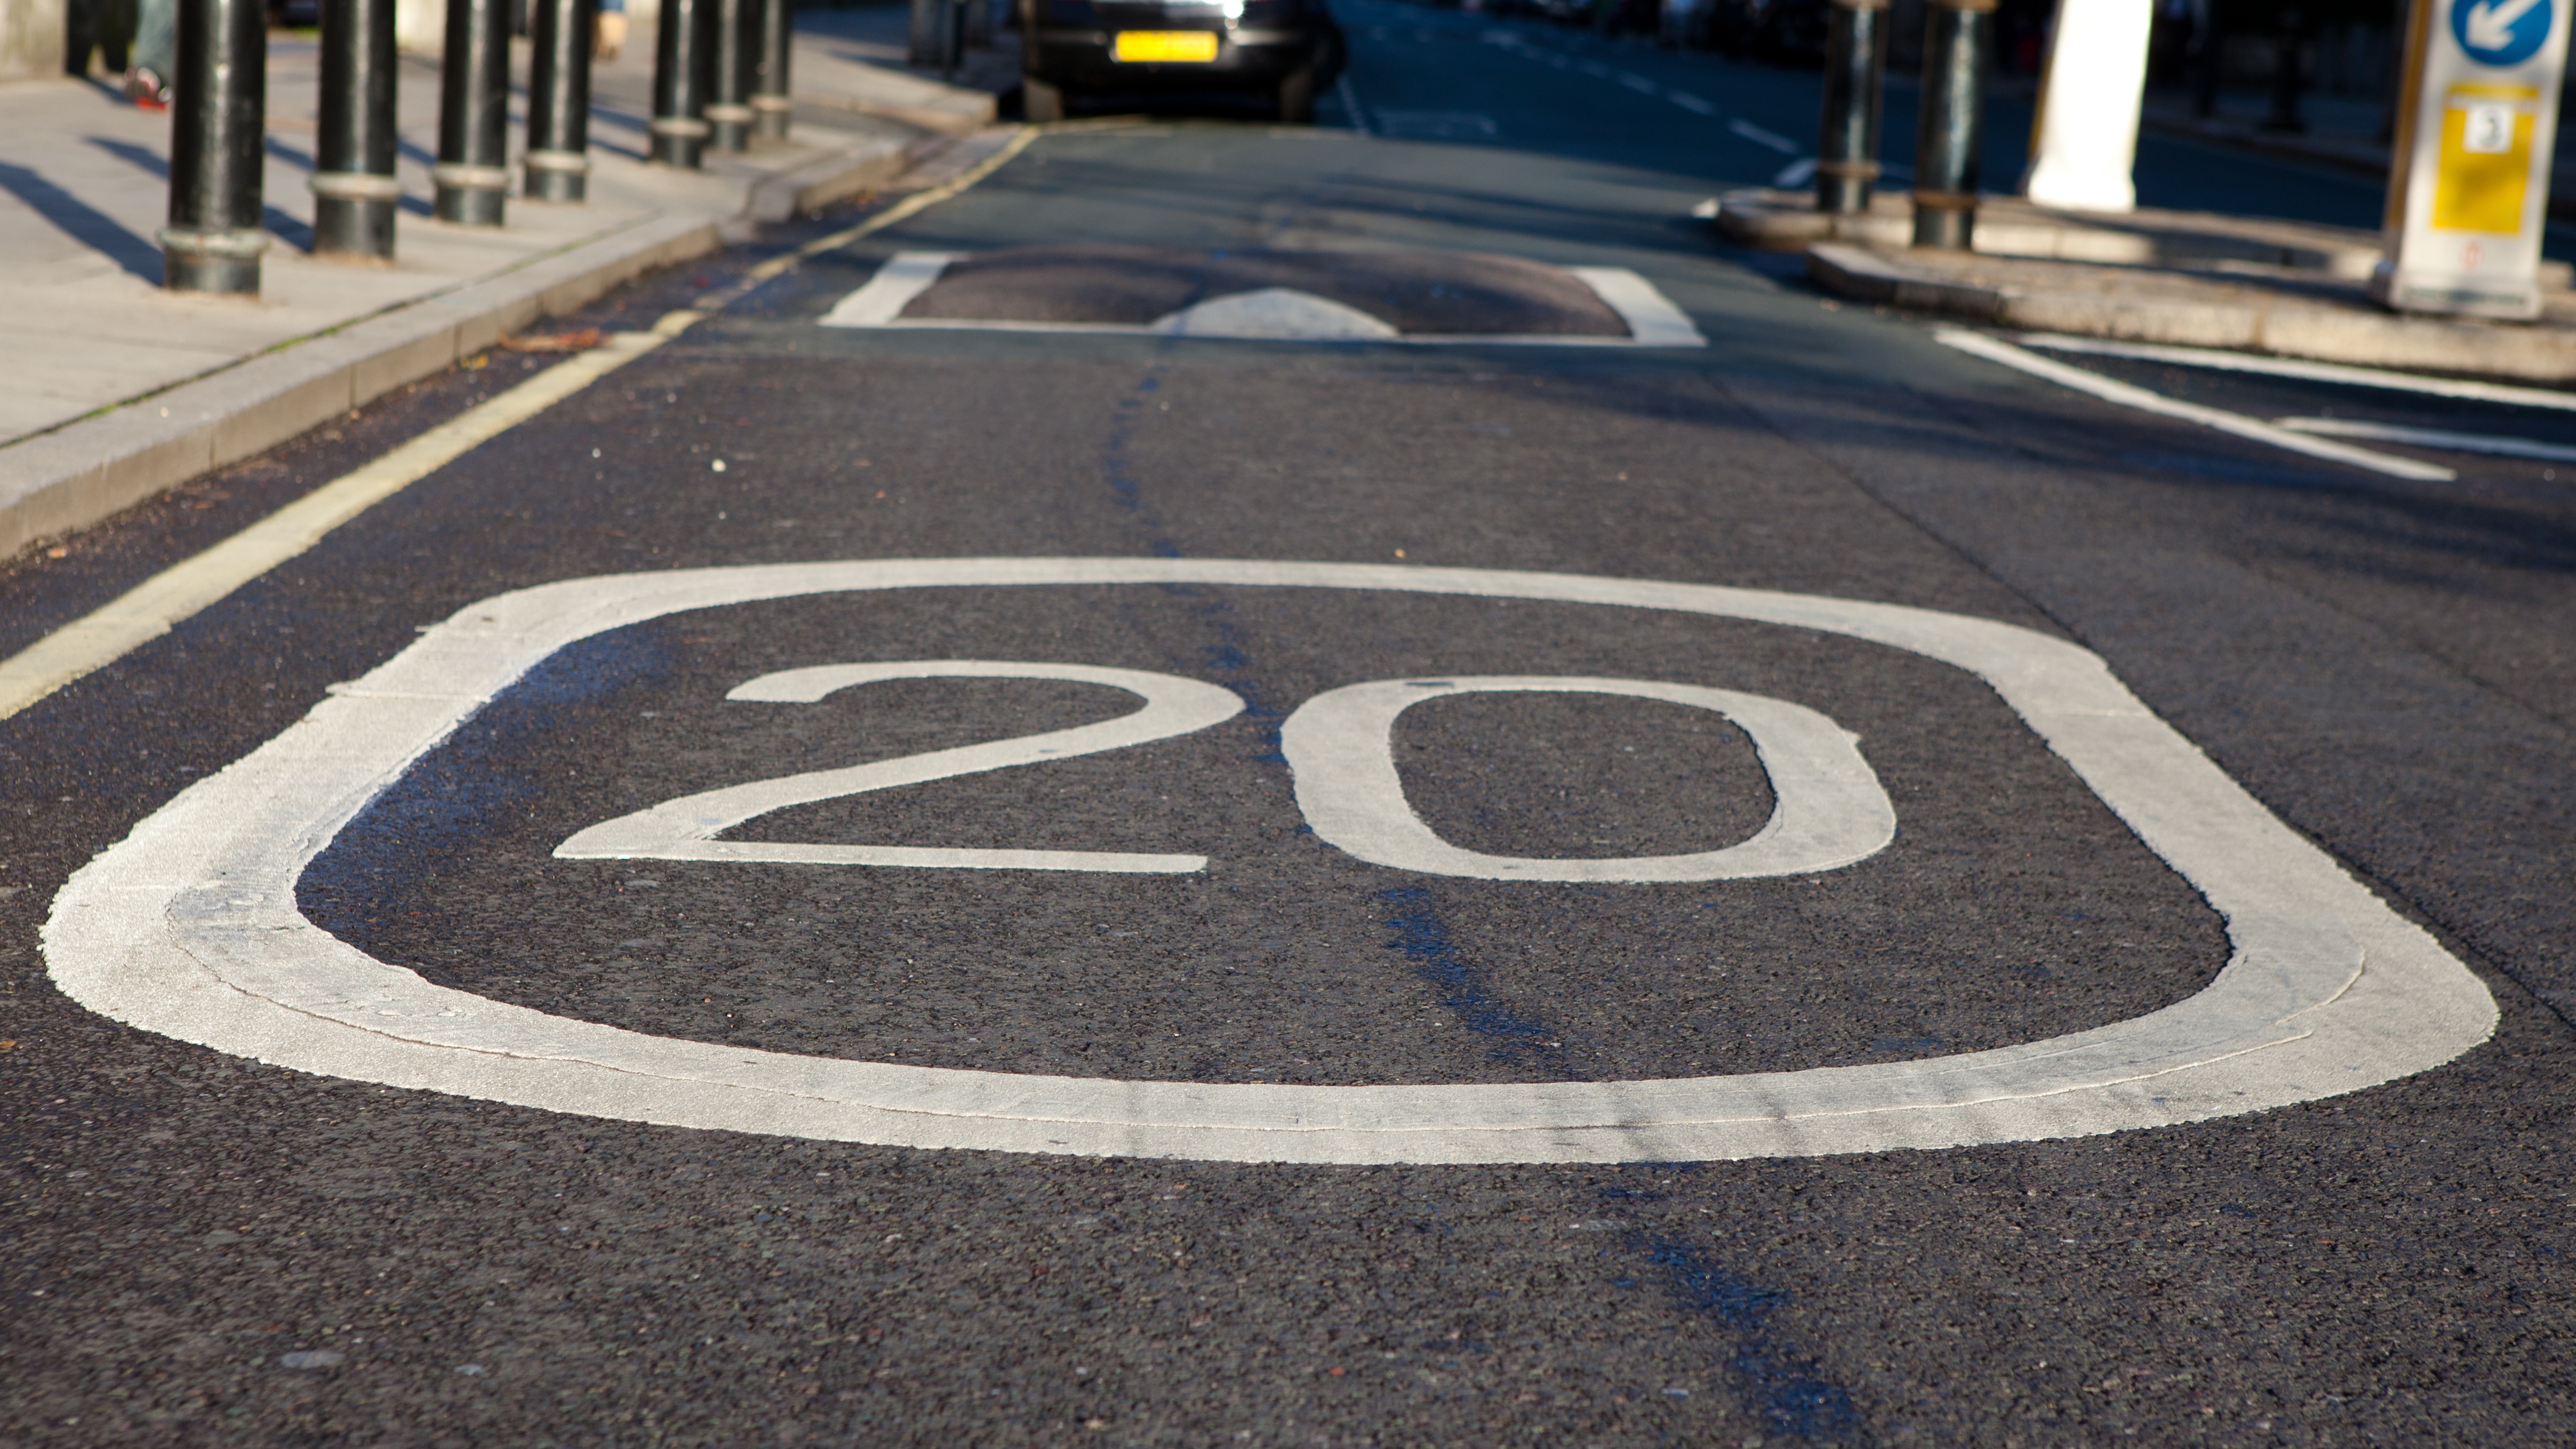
[2501,32]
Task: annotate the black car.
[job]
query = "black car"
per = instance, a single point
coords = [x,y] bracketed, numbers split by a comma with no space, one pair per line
[1284,51]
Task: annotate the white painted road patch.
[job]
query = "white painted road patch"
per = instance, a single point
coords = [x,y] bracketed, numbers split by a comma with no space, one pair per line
[1273,314]
[189,927]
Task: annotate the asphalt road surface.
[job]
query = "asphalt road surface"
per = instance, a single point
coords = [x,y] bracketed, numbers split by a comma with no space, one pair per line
[1559,890]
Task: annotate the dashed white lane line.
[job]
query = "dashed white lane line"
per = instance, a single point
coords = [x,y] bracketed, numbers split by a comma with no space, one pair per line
[1796,174]
[1761,137]
[1689,102]
[190,927]
[2451,387]
[1351,104]
[1639,84]
[2113,391]
[2490,443]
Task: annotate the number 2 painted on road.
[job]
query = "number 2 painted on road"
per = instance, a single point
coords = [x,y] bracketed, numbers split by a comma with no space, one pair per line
[684,829]
[1830,810]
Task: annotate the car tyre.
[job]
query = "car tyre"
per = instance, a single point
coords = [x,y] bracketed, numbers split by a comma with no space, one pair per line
[1297,97]
[1040,101]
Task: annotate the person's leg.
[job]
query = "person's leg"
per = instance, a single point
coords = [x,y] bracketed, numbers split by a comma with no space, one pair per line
[156,53]
[610,36]
[115,34]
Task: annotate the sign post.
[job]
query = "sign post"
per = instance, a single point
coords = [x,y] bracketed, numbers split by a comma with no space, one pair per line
[2468,184]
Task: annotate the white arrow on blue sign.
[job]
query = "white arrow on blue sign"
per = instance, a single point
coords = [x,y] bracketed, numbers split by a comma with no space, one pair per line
[2501,32]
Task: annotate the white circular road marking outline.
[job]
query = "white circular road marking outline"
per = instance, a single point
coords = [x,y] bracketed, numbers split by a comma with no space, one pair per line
[188,927]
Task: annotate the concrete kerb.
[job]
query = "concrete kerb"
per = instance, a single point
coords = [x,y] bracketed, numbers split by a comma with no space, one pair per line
[74,476]
[2287,327]
[828,179]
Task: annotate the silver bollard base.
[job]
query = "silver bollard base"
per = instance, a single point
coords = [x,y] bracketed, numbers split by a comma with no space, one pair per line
[216,263]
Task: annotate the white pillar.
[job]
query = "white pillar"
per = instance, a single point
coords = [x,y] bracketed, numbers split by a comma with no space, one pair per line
[31,38]
[2084,140]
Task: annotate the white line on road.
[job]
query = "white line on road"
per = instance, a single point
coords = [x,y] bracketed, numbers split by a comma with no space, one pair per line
[2452,387]
[1689,102]
[1796,174]
[906,276]
[1761,137]
[1639,84]
[2113,391]
[190,927]
[1351,104]
[1276,314]
[2502,447]
[1653,321]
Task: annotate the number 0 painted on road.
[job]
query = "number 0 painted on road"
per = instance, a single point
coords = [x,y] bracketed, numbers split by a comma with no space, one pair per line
[1830,811]
[189,927]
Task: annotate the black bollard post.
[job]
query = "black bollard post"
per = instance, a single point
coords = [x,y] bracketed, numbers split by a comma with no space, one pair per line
[1855,77]
[769,103]
[729,63]
[355,195]
[473,170]
[679,84]
[926,35]
[1952,127]
[558,160]
[2288,79]
[2208,56]
[217,145]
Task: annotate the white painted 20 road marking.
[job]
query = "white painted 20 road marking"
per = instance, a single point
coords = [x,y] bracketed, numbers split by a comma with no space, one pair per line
[1829,809]
[189,927]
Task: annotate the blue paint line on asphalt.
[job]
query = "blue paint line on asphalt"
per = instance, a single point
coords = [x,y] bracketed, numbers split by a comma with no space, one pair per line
[462,792]
[1423,937]
[1779,1383]
[1225,661]
[1228,665]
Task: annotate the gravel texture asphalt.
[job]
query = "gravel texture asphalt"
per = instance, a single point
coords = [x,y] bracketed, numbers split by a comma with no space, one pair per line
[204,1249]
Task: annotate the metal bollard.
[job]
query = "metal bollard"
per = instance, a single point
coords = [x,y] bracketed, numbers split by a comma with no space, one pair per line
[926,34]
[1855,79]
[679,84]
[729,61]
[558,160]
[769,103]
[473,170]
[218,142]
[355,195]
[2287,81]
[1952,127]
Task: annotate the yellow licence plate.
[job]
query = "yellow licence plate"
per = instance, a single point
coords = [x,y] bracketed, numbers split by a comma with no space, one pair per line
[1164,45]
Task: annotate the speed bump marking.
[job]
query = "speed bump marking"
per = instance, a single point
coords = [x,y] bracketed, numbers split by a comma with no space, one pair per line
[189,927]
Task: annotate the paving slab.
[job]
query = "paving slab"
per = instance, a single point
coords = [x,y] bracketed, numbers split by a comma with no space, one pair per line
[1778,220]
[116,388]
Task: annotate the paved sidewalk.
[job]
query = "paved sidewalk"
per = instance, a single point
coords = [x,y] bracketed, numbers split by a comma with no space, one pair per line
[112,389]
